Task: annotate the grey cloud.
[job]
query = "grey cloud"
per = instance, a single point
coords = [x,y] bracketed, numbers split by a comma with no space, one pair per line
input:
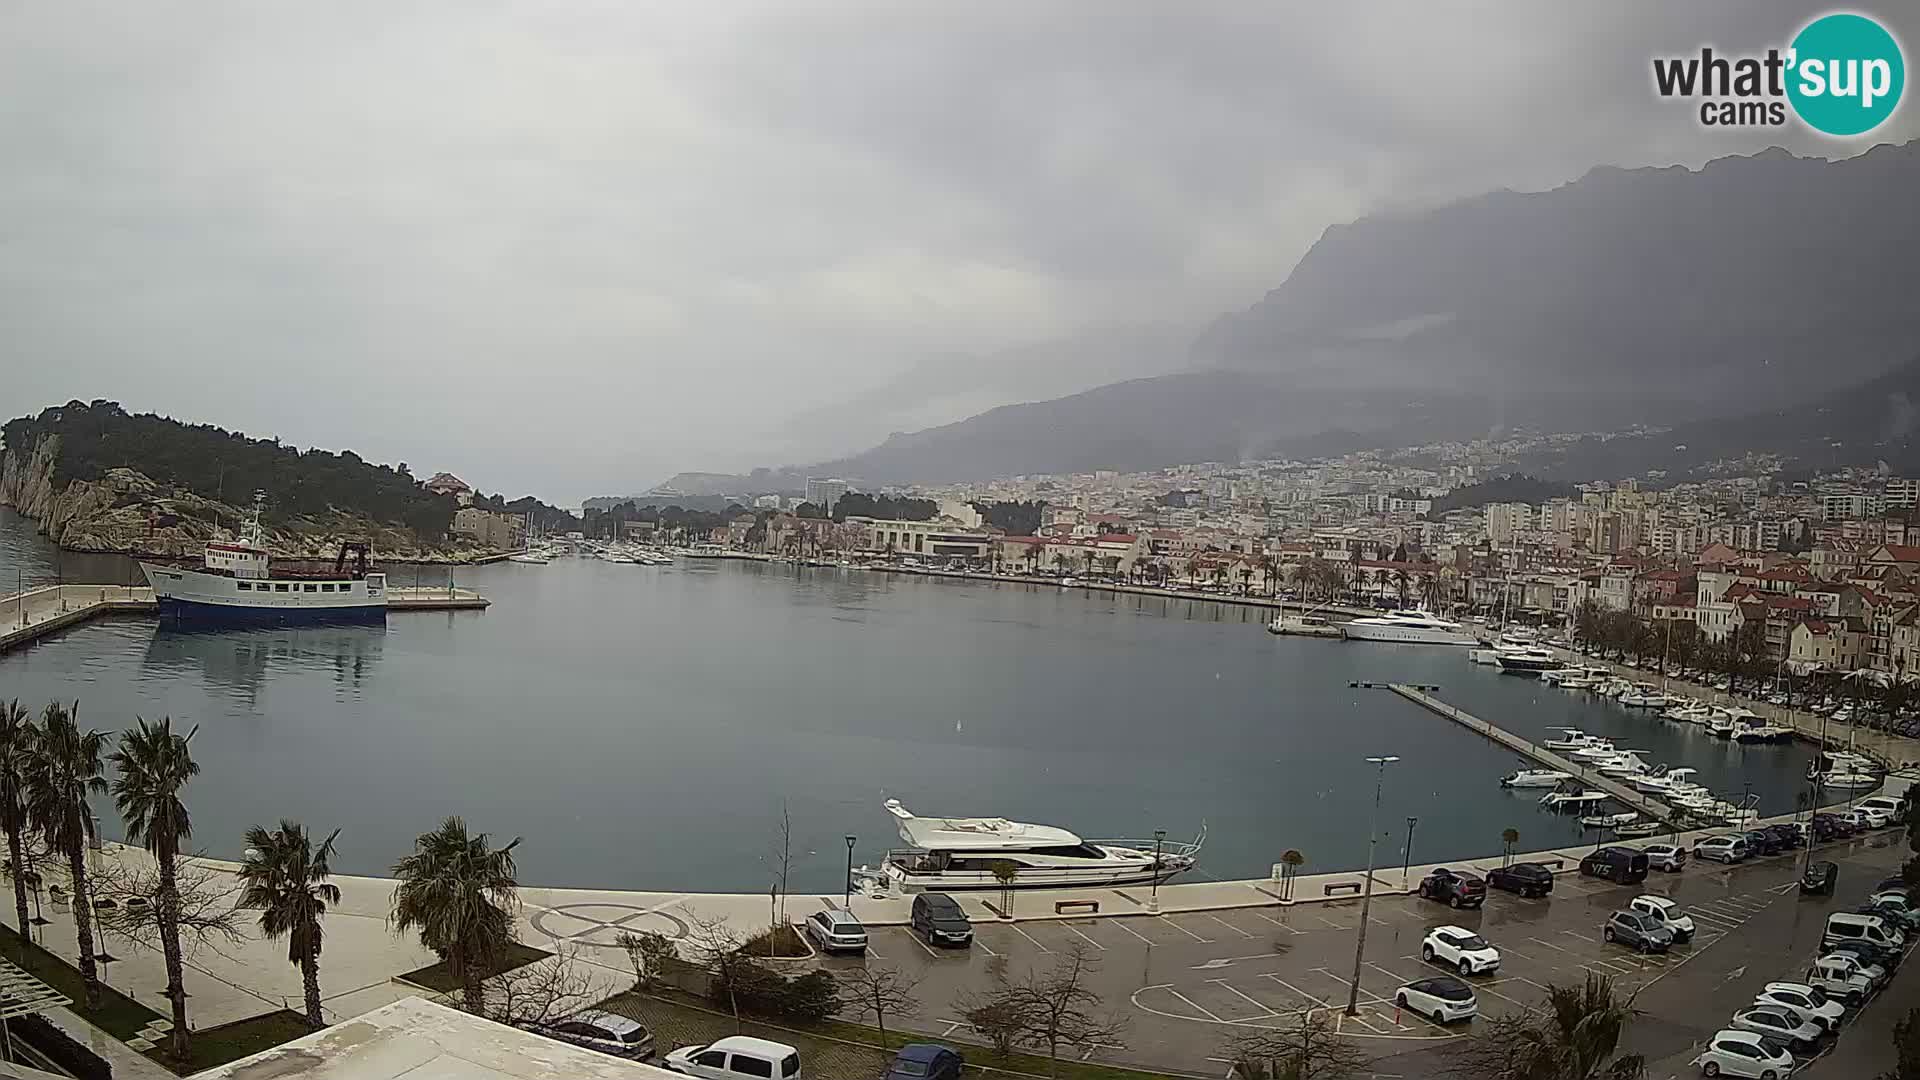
[572,248]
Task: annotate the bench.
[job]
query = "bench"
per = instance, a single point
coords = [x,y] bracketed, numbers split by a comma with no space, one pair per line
[1342,886]
[1089,907]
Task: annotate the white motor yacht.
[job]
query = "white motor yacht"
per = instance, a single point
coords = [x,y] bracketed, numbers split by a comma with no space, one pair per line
[1575,740]
[1665,782]
[962,853]
[1531,660]
[1623,764]
[1686,712]
[1643,696]
[1608,821]
[1601,750]
[1408,627]
[1571,801]
[1721,723]
[1533,778]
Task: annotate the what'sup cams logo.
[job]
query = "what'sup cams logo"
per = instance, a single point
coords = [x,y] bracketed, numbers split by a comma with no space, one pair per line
[1842,76]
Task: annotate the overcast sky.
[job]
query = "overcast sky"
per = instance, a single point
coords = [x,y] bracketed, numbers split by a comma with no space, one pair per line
[571,248]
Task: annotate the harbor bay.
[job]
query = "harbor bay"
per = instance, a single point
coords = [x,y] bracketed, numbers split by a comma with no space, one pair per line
[642,727]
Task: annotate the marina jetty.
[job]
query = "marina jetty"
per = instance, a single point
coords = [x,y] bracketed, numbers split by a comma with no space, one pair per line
[1591,777]
[28,616]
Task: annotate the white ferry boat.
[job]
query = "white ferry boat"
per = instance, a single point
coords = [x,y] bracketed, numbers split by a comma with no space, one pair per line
[962,853]
[236,582]
[1408,627]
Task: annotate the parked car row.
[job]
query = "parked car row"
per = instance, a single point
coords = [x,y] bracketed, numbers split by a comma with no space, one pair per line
[1859,951]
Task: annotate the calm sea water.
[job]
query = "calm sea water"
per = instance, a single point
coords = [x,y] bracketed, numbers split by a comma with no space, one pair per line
[642,727]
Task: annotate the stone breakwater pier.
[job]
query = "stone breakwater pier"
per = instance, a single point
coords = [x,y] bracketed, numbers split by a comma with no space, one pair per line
[28,616]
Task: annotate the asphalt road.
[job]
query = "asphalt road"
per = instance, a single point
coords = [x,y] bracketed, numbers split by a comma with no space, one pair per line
[1188,982]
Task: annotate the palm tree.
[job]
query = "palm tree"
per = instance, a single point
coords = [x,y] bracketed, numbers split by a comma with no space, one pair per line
[457,891]
[154,764]
[1573,1037]
[287,879]
[16,761]
[65,770]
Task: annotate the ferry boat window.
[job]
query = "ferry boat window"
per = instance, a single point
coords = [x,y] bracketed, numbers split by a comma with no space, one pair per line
[280,587]
[244,587]
[328,587]
[312,588]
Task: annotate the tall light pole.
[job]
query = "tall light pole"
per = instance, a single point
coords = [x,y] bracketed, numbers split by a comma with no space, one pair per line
[1153,893]
[1366,896]
[846,904]
[1406,864]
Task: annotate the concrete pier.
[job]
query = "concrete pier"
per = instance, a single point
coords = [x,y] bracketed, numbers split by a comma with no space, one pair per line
[1634,800]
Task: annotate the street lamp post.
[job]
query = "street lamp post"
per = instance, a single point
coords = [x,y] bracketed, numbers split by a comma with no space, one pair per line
[1153,891]
[847,902]
[1406,865]
[1366,896]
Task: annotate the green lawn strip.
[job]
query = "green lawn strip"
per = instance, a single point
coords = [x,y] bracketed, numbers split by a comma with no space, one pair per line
[118,1015]
[441,977]
[833,1048]
[231,1042]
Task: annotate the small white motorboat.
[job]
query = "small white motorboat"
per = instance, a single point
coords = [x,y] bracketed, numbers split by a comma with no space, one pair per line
[1534,778]
[1575,740]
[1608,821]
[1566,802]
[1601,750]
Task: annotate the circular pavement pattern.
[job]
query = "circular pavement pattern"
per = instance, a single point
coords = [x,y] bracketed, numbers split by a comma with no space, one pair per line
[602,924]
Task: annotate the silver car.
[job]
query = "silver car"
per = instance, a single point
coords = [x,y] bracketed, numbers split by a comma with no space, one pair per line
[609,1033]
[834,930]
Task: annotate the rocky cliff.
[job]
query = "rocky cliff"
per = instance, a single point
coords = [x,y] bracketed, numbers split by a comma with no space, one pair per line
[126,511]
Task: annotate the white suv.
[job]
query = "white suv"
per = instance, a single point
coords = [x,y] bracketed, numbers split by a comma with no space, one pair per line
[1667,914]
[1462,948]
[1809,1002]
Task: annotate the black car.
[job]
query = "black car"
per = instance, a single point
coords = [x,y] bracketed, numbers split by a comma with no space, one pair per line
[925,1061]
[1459,890]
[1790,836]
[1819,878]
[1526,878]
[1868,953]
[1622,866]
[1831,827]
[1897,882]
[940,921]
[1761,843]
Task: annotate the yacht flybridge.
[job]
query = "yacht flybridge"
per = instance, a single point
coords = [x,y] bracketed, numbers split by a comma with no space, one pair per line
[964,853]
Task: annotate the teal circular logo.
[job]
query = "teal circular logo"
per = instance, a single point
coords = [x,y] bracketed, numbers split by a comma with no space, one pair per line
[1845,74]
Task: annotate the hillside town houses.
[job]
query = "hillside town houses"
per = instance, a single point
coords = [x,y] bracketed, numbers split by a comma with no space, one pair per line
[1828,567]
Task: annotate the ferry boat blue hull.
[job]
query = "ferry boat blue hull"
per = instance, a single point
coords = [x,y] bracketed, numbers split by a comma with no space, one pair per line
[188,611]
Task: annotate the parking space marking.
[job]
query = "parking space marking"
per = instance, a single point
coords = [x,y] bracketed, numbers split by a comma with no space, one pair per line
[1276,922]
[1122,924]
[988,949]
[1230,926]
[1189,933]
[1488,988]
[1542,987]
[1504,949]
[1317,1001]
[1084,937]
[1331,923]
[1194,1005]
[1029,937]
[923,945]
[1231,989]
[1550,945]
[1582,937]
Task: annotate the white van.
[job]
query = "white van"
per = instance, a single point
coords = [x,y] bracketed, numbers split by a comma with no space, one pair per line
[737,1057]
[1872,929]
[1887,804]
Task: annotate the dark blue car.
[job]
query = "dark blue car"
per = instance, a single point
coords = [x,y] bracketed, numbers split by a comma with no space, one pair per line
[925,1061]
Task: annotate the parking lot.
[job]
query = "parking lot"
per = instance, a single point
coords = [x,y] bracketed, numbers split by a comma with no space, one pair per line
[1190,981]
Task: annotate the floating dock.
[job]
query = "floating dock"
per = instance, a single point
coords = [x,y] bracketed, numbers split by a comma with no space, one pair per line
[1591,777]
[27,617]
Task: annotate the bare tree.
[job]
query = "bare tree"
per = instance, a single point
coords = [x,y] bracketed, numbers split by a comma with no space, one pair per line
[715,946]
[1305,1047]
[880,991]
[649,952]
[207,902]
[1046,1011]
[780,857]
[544,992]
